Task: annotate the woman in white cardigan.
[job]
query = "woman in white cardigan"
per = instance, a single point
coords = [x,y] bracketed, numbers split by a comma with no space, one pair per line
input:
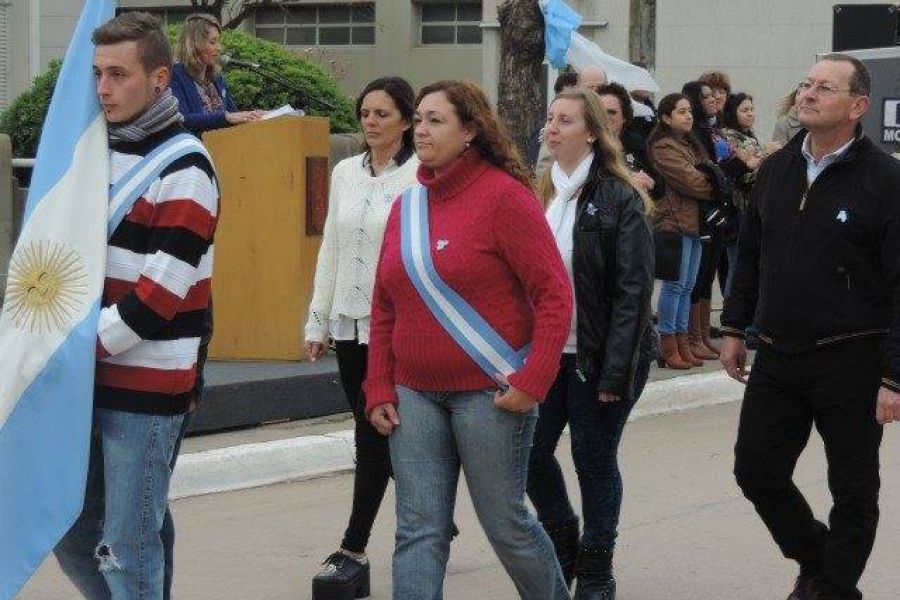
[363,188]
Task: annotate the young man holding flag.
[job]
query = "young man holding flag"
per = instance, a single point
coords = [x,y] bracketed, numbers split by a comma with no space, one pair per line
[163,209]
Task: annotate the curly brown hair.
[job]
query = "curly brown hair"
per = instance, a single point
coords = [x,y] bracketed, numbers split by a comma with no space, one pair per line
[491,140]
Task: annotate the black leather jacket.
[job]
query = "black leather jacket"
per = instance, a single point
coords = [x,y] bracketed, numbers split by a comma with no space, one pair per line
[613,265]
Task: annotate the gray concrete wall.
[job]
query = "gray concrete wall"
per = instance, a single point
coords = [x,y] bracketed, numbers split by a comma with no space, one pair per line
[19,36]
[57,22]
[766,46]
[6,210]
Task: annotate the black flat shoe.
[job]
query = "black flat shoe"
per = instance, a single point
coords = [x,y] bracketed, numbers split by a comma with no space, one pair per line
[342,578]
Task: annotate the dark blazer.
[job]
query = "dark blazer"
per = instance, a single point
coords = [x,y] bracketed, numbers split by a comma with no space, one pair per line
[184,87]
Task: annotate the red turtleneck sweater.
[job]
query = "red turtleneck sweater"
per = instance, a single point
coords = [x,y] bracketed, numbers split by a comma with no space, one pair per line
[497,252]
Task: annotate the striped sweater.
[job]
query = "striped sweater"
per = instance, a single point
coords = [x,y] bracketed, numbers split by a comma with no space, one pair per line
[157,290]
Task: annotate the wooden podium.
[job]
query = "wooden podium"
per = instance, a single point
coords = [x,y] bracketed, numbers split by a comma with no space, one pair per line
[273,179]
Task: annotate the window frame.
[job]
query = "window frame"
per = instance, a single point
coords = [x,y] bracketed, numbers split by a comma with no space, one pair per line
[351,26]
[456,23]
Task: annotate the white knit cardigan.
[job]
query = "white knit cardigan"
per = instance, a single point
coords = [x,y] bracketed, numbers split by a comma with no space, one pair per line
[358,208]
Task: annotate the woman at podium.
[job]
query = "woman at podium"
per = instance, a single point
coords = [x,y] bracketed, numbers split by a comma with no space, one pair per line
[363,188]
[197,81]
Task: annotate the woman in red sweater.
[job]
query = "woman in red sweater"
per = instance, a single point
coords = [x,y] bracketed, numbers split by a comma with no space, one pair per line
[483,247]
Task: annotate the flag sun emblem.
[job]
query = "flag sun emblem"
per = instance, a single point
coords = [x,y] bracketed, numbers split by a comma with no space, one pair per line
[47,286]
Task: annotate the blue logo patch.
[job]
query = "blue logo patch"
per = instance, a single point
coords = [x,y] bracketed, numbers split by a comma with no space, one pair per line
[843,216]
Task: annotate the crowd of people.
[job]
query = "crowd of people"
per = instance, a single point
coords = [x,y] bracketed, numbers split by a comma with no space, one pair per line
[478,304]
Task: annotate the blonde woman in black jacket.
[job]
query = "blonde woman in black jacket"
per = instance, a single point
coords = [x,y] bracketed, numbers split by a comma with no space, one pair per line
[599,221]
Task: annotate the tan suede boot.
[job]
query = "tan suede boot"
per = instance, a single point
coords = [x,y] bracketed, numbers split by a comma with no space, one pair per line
[705,310]
[698,348]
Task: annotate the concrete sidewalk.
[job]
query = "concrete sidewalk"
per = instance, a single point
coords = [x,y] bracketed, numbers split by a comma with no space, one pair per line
[313,448]
[686,532]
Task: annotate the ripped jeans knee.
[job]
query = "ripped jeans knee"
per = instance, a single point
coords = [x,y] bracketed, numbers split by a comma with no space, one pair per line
[108,561]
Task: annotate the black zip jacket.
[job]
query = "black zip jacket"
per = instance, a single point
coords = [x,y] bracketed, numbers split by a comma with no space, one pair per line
[820,264]
[612,262]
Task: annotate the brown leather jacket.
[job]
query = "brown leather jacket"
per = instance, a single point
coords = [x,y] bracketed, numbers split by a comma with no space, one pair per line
[676,160]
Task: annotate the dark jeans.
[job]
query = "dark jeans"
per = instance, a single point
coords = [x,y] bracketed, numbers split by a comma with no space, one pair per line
[596,430]
[373,459]
[834,388]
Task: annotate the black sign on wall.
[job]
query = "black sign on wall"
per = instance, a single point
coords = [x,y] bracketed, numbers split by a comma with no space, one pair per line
[858,26]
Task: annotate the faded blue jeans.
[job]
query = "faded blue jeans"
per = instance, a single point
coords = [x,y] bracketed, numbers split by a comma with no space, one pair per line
[114,550]
[440,432]
[674,306]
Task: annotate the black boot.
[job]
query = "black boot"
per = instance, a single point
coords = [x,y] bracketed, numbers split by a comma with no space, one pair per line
[565,543]
[804,588]
[595,575]
[343,578]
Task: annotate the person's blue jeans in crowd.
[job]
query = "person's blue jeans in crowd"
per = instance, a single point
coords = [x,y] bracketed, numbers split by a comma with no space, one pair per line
[114,549]
[596,430]
[674,308]
[440,432]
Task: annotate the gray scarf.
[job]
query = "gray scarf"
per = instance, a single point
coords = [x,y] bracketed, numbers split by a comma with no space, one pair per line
[161,114]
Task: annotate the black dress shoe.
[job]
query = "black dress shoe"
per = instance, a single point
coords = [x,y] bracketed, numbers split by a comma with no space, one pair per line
[342,578]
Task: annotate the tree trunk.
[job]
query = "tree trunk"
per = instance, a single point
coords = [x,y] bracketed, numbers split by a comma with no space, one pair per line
[521,55]
[642,33]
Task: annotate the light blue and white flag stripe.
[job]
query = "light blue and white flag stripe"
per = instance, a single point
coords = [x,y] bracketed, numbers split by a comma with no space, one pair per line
[467,328]
[564,45]
[48,326]
[129,187]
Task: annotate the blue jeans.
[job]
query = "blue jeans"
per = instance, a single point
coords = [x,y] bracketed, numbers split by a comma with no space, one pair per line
[596,429]
[440,432]
[114,550]
[674,307]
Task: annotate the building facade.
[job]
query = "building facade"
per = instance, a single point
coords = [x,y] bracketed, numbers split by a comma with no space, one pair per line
[766,46]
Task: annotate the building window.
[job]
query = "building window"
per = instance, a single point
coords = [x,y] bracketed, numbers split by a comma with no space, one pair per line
[169,15]
[317,24]
[450,23]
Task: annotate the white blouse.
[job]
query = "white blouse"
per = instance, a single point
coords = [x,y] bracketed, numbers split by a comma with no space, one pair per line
[358,208]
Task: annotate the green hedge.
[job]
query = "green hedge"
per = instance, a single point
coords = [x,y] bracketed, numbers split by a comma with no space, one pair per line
[23,119]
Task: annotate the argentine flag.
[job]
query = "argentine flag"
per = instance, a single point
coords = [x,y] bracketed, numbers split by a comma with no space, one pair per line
[48,325]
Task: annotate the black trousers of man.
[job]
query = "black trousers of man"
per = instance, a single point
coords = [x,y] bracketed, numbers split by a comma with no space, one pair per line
[834,388]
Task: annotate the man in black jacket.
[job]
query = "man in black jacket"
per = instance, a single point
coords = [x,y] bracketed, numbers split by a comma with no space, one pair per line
[819,274]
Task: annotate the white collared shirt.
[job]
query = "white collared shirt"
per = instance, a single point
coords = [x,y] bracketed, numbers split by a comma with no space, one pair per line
[814,169]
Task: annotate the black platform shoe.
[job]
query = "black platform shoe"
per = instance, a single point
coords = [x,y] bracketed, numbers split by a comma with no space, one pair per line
[595,576]
[343,578]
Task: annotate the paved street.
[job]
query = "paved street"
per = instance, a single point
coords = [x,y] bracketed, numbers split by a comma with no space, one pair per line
[686,532]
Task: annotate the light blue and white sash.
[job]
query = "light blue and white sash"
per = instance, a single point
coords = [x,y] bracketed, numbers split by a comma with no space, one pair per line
[467,328]
[135,182]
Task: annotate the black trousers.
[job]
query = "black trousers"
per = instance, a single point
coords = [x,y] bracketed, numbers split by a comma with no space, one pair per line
[834,388]
[709,262]
[373,459]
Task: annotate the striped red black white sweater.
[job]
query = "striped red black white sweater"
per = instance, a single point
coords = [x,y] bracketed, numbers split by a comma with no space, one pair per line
[157,290]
